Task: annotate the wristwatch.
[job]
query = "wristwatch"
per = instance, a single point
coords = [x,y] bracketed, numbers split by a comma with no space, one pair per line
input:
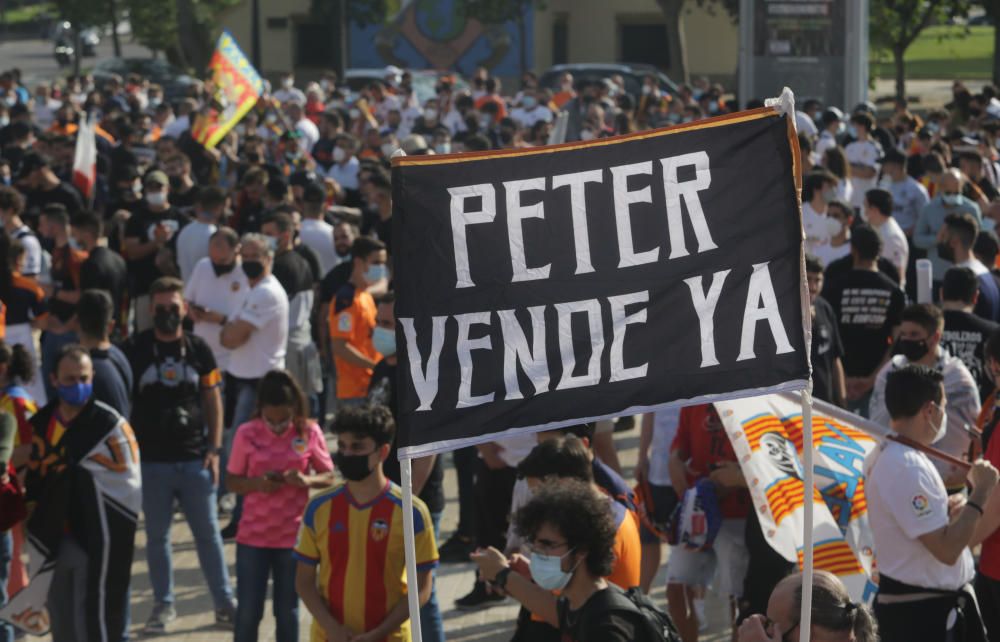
[500,581]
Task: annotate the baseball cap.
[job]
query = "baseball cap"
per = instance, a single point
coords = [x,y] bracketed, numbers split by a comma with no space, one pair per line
[156,177]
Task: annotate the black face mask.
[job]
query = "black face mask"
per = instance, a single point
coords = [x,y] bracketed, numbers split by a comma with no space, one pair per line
[167,320]
[253,269]
[47,244]
[946,252]
[222,268]
[912,350]
[353,467]
[176,182]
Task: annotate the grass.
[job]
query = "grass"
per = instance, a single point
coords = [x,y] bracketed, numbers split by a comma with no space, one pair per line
[28,13]
[943,52]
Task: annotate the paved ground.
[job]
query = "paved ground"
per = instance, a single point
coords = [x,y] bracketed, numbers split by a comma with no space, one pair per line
[194,604]
[34,57]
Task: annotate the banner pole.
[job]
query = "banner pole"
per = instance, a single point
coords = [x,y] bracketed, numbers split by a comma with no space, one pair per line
[409,546]
[805,617]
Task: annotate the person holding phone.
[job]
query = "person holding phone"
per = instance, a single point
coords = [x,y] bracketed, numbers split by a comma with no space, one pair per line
[277,457]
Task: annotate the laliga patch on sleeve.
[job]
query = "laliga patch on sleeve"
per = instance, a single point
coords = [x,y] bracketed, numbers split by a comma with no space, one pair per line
[344,323]
[921,507]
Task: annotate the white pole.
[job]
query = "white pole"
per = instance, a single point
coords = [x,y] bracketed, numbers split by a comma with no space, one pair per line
[805,617]
[410,547]
[925,280]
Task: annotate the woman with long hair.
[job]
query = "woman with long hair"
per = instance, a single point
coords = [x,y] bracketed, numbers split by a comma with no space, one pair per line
[276,458]
[835,160]
[24,307]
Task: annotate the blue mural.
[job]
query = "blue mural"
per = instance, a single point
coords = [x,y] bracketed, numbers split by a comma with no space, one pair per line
[432,34]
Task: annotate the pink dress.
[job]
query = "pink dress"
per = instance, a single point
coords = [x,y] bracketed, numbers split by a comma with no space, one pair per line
[271,520]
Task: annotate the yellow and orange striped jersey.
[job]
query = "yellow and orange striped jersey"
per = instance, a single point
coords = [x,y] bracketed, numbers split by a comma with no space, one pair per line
[359,551]
[16,400]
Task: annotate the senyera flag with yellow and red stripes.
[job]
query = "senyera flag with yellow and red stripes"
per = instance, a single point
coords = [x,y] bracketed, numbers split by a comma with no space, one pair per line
[767,437]
[236,87]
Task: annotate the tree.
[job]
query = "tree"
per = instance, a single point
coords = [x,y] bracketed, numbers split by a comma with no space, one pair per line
[992,9]
[500,11]
[895,25]
[184,30]
[79,13]
[674,18]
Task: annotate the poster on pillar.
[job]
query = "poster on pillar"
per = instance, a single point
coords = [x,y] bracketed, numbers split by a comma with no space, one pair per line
[542,287]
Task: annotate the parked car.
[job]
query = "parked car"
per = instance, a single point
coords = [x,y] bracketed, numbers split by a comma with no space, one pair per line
[175,82]
[424,81]
[631,73]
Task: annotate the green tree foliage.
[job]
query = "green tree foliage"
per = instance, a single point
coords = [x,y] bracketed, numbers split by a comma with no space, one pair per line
[185,30]
[895,24]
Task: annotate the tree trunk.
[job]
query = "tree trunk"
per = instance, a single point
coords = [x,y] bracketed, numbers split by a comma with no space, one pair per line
[115,41]
[996,48]
[677,52]
[195,43]
[77,50]
[900,65]
[522,45]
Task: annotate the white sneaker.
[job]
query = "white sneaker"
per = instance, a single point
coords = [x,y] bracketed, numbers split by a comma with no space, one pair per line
[699,611]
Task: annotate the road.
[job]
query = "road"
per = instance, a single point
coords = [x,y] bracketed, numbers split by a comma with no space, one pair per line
[34,57]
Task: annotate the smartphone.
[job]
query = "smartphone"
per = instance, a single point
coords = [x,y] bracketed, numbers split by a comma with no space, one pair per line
[274,476]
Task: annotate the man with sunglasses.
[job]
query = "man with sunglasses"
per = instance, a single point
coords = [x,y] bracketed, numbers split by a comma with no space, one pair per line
[177,416]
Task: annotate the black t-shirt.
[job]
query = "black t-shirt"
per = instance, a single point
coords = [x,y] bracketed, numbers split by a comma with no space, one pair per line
[988,189]
[142,226]
[826,349]
[293,273]
[965,336]
[335,279]
[382,390]
[322,152]
[167,409]
[63,193]
[105,270]
[312,259]
[113,379]
[594,622]
[868,306]
[837,269]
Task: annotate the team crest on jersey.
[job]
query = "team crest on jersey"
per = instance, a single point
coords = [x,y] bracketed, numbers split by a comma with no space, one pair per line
[299,445]
[344,323]
[920,505]
[379,530]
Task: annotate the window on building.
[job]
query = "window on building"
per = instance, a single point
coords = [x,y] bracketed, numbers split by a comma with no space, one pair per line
[560,39]
[313,46]
[645,43]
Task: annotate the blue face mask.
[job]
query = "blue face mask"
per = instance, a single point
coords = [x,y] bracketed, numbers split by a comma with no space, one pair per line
[76,394]
[951,200]
[272,243]
[547,571]
[528,102]
[384,341]
[376,272]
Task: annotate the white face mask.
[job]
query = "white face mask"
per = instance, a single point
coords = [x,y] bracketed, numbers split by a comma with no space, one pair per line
[586,135]
[833,226]
[339,154]
[156,199]
[430,113]
[288,83]
[388,149]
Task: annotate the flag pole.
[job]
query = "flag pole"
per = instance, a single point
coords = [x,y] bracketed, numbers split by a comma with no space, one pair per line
[805,616]
[409,546]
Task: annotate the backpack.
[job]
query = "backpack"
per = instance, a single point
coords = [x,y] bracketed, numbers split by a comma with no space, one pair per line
[656,625]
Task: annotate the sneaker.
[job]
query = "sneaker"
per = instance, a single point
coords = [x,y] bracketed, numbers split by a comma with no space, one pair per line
[229,532]
[699,611]
[227,503]
[162,615]
[225,617]
[478,599]
[456,550]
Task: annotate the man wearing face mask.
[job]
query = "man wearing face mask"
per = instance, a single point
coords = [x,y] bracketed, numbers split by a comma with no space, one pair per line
[192,241]
[818,190]
[216,290]
[877,211]
[947,200]
[352,321]
[362,519]
[151,243]
[428,474]
[287,91]
[955,242]
[864,154]
[531,110]
[83,455]
[177,415]
[909,197]
[103,268]
[921,535]
[346,166]
[919,343]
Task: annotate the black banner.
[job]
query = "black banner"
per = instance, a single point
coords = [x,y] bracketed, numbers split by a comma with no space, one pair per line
[545,286]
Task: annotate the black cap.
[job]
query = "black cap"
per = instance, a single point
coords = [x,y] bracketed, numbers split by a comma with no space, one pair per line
[302,177]
[30,162]
[277,187]
[314,193]
[894,156]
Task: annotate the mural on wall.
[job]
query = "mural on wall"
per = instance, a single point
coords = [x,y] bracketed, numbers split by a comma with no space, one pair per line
[434,34]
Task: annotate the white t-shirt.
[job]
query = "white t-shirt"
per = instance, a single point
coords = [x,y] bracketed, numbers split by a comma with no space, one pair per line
[907,499]
[32,250]
[309,132]
[825,141]
[266,309]
[805,124]
[975,265]
[295,94]
[827,253]
[866,153]
[528,117]
[815,227]
[346,175]
[664,429]
[223,294]
[177,126]
[318,236]
[894,247]
[192,246]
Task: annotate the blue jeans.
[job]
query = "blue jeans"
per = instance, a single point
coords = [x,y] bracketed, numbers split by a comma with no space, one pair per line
[6,554]
[253,567]
[431,625]
[241,399]
[191,484]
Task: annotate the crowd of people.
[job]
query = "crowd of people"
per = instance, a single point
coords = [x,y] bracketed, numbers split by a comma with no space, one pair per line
[233,306]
